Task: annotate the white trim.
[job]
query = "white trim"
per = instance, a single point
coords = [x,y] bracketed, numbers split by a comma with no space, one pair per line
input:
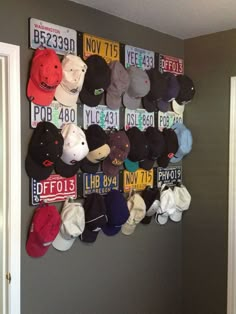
[13,172]
[231,295]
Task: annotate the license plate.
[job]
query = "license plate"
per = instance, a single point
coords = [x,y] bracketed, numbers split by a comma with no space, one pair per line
[54,189]
[171,64]
[167,119]
[139,118]
[137,180]
[99,183]
[102,116]
[139,57]
[109,50]
[62,39]
[54,113]
[169,176]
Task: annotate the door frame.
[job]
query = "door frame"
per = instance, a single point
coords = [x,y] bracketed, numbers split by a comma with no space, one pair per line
[12,177]
[231,289]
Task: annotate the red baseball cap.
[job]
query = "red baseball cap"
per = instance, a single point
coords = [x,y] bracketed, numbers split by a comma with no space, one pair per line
[45,76]
[44,228]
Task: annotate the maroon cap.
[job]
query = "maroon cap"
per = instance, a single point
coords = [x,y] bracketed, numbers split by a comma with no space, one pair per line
[44,228]
[120,147]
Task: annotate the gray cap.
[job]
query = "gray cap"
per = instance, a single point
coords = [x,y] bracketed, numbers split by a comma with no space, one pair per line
[138,88]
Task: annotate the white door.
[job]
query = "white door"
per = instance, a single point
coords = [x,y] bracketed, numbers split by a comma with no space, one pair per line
[10,179]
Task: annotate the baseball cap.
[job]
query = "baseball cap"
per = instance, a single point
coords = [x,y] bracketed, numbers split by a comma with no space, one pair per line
[166,206]
[95,217]
[185,141]
[45,76]
[97,143]
[72,225]
[87,166]
[187,89]
[151,197]
[182,201]
[158,87]
[131,166]
[97,80]
[139,87]
[156,147]
[120,147]
[44,228]
[45,148]
[171,92]
[119,85]
[117,212]
[171,147]
[179,109]
[73,72]
[137,209]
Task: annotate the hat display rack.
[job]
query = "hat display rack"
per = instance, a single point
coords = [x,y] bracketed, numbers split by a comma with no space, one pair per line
[72,151]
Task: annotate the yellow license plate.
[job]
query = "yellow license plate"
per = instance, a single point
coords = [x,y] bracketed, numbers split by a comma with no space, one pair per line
[137,180]
[109,50]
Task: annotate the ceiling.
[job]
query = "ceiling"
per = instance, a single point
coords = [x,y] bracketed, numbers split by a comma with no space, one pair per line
[180,18]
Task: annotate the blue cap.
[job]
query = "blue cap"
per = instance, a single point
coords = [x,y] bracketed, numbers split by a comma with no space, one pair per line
[185,141]
[117,212]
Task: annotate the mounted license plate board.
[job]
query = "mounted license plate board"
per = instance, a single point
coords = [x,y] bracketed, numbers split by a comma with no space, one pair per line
[108,49]
[169,176]
[171,64]
[99,183]
[141,58]
[54,113]
[167,119]
[62,39]
[139,118]
[102,116]
[137,180]
[54,189]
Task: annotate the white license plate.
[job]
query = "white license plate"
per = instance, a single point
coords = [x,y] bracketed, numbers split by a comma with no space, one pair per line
[139,118]
[102,116]
[62,39]
[141,58]
[167,119]
[54,113]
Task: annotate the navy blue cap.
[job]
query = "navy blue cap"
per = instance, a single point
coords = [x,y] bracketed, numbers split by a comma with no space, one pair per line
[117,212]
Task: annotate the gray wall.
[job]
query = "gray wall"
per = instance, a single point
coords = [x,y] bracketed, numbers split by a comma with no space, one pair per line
[210,61]
[140,274]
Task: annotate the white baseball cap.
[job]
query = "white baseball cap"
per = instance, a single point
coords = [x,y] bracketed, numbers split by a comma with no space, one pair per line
[73,73]
[137,209]
[166,206]
[182,201]
[75,145]
[73,224]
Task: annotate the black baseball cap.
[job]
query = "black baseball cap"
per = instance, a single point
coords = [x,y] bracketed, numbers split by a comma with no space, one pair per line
[149,195]
[187,89]
[45,148]
[171,147]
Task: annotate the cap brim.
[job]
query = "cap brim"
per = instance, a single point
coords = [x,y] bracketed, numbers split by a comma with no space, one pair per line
[131,103]
[163,106]
[176,159]
[146,220]
[162,219]
[163,161]
[128,229]
[179,109]
[108,168]
[36,171]
[89,167]
[131,166]
[89,99]
[62,244]
[89,236]
[64,98]
[39,96]
[110,230]
[149,105]
[176,216]
[65,170]
[112,101]
[147,164]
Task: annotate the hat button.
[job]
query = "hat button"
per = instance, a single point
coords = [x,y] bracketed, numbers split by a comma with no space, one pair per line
[56,142]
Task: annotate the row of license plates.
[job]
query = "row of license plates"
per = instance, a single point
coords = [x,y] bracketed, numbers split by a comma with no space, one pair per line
[65,40]
[56,188]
